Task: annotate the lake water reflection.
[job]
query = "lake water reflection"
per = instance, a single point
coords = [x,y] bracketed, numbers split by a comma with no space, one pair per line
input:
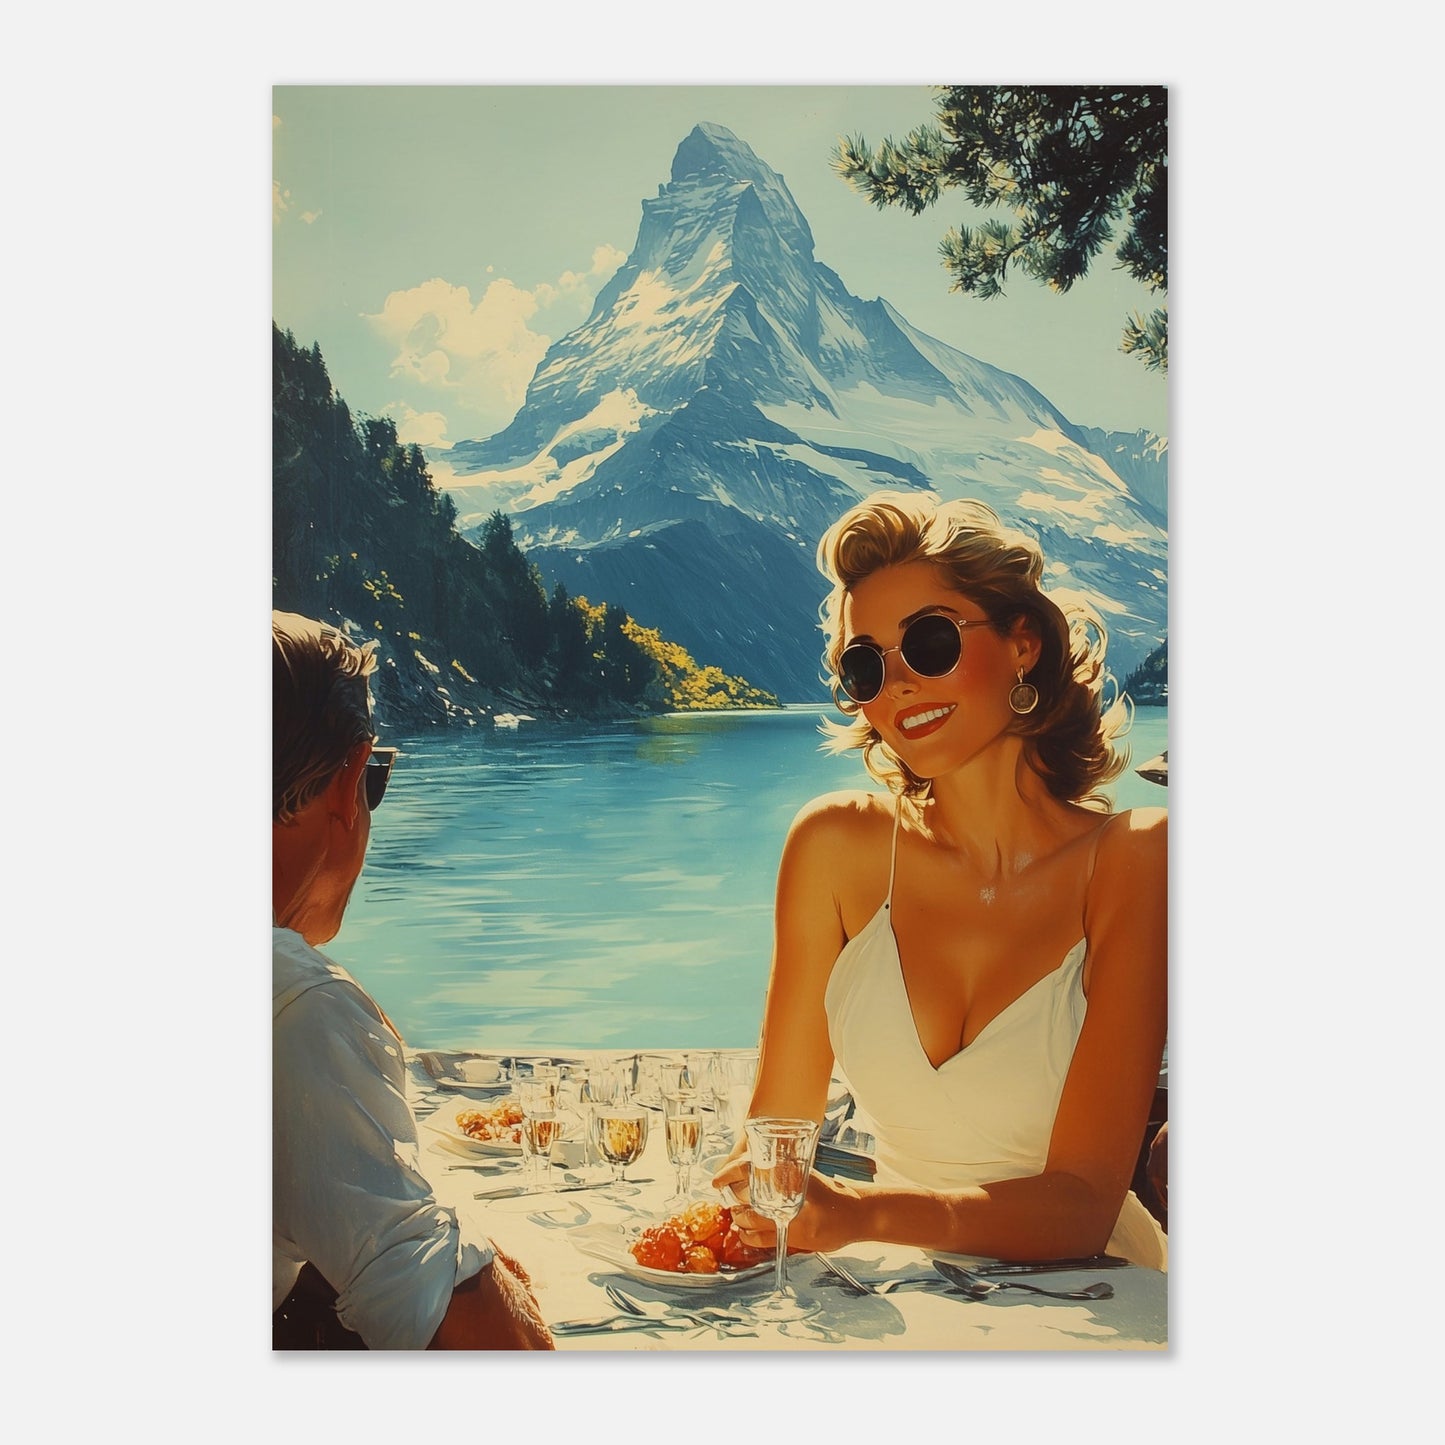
[595,885]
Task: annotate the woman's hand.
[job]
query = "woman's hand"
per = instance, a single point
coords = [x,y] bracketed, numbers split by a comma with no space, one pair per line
[731,1181]
[832,1215]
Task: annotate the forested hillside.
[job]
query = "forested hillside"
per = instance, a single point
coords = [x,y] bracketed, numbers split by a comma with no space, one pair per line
[361,536]
[1148,684]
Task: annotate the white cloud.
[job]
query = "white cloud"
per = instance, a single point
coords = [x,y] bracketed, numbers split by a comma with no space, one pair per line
[484,352]
[419,428]
[605,260]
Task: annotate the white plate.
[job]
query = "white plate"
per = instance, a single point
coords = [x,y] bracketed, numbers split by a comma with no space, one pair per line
[609,1243]
[478,1091]
[444,1123]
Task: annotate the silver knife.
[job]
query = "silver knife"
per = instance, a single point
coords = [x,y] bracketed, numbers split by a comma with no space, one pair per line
[1047,1266]
[515,1191]
[615,1324]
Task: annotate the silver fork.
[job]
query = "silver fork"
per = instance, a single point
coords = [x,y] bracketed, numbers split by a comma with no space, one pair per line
[707,1318]
[846,1275]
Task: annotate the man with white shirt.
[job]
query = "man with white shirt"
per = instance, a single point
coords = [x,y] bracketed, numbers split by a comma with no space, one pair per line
[363,1256]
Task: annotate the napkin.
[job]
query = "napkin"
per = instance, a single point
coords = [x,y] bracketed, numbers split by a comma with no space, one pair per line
[838,1161]
[836,1112]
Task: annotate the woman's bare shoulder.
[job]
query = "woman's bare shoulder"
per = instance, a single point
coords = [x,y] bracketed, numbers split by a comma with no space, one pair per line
[1138,829]
[1133,850]
[845,815]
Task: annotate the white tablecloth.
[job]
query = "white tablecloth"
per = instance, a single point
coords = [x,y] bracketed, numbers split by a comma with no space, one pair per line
[570,1285]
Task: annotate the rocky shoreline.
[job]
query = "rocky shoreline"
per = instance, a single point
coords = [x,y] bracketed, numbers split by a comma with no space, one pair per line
[413,692]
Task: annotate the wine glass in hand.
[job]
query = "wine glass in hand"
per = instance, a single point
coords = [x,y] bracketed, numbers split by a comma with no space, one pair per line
[620,1131]
[780,1157]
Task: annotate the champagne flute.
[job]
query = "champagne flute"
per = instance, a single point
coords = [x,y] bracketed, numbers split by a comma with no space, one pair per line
[780,1156]
[601,1086]
[538,1098]
[683,1123]
[620,1131]
[540,1131]
[717,1086]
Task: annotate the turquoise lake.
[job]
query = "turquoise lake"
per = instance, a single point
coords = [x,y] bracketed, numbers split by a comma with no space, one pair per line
[596,885]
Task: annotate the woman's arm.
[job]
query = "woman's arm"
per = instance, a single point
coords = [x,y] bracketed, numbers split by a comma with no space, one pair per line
[795,1059]
[1071,1207]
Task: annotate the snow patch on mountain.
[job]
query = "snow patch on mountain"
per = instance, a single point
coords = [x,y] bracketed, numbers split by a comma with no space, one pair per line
[570,458]
[861,479]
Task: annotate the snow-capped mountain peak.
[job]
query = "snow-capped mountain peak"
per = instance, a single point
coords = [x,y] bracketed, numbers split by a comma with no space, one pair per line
[683,449]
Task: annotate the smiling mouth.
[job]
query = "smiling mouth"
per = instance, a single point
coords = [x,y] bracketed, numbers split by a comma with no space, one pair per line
[927,719]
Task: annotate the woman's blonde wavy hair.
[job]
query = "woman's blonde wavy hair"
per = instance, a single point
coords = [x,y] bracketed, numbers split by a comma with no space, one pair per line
[1069,737]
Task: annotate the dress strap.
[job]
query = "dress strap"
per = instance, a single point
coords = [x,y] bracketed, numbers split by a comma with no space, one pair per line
[1094,853]
[893,855]
[1089,871]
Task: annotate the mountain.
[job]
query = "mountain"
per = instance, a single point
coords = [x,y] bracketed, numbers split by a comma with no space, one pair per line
[1139,458]
[683,450]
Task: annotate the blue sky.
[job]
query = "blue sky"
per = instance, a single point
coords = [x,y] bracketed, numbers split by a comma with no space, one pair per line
[433,239]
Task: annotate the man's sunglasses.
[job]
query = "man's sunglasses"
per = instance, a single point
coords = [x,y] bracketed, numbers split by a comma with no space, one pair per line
[931,646]
[378,774]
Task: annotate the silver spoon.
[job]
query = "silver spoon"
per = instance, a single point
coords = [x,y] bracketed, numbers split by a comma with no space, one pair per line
[978,1288]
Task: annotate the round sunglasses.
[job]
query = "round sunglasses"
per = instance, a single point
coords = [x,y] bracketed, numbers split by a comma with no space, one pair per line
[931,646]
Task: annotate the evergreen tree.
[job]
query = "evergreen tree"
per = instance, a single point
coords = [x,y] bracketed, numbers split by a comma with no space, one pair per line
[1148,684]
[568,648]
[523,597]
[1069,162]
[626,668]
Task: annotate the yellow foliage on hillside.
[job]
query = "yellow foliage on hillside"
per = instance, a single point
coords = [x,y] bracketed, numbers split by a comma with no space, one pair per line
[686,686]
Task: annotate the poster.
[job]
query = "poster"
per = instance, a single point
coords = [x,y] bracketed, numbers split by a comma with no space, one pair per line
[648,341]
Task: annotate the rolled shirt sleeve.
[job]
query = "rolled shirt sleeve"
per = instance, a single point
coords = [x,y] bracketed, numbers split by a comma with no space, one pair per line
[348,1194]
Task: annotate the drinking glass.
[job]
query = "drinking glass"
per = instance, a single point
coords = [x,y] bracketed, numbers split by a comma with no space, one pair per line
[540,1131]
[540,1125]
[620,1131]
[603,1084]
[683,1123]
[647,1080]
[570,1079]
[600,1085]
[717,1087]
[780,1156]
[679,1078]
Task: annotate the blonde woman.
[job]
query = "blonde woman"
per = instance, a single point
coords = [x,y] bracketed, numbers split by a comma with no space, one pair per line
[982,948]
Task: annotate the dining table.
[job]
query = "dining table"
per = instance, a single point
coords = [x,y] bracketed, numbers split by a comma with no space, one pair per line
[570,1233]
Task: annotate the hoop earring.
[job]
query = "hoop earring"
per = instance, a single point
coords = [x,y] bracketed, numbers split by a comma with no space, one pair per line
[1023,697]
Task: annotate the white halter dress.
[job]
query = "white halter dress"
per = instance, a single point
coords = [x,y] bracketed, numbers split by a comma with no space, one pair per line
[987,1113]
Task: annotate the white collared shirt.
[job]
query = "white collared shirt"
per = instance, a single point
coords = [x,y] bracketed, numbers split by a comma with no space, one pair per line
[347,1191]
